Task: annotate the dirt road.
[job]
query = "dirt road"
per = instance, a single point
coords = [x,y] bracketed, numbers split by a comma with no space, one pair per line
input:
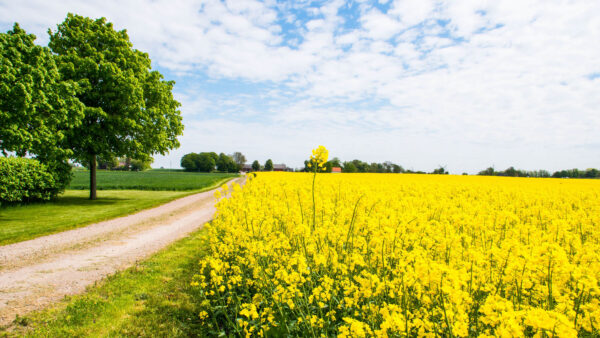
[35,273]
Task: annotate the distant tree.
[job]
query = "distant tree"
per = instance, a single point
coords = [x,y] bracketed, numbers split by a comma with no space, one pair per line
[109,163]
[440,171]
[335,162]
[129,109]
[487,172]
[397,169]
[239,158]
[511,171]
[214,156]
[543,173]
[37,106]
[592,173]
[189,162]
[269,165]
[306,168]
[361,167]
[139,165]
[349,167]
[226,163]
[222,162]
[255,166]
[205,162]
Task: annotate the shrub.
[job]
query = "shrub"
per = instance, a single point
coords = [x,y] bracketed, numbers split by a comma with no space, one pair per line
[25,180]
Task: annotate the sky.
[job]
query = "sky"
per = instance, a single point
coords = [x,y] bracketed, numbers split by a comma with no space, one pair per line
[461,84]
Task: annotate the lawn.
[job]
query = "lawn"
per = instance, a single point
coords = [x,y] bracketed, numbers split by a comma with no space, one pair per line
[147,180]
[73,209]
[152,299]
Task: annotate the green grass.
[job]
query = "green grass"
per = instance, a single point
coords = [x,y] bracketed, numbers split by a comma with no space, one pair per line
[74,209]
[152,299]
[147,180]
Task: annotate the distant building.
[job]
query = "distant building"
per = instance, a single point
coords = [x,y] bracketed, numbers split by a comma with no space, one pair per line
[336,170]
[280,167]
[246,168]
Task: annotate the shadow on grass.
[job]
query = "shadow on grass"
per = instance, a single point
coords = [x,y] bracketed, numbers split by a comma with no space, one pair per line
[64,201]
[76,201]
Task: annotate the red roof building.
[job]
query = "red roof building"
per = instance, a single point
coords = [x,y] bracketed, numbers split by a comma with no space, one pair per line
[336,170]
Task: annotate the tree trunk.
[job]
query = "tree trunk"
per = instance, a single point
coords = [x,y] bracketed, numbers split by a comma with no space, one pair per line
[93,177]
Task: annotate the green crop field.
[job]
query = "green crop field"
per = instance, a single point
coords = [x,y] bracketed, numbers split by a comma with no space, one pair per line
[148,180]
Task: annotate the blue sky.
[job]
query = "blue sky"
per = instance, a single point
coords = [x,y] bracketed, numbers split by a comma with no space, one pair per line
[462,84]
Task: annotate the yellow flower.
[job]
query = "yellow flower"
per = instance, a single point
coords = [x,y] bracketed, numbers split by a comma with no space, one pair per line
[404,255]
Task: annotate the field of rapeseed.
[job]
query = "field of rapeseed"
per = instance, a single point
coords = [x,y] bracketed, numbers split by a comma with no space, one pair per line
[404,255]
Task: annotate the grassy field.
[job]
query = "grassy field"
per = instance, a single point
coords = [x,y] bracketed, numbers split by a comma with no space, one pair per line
[152,299]
[73,209]
[147,180]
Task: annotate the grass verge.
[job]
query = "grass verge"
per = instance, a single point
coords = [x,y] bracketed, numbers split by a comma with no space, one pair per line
[73,209]
[151,299]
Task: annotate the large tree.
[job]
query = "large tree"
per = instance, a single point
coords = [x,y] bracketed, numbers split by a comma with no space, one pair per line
[129,109]
[37,107]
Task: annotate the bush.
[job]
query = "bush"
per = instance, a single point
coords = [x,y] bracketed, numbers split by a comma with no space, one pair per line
[25,180]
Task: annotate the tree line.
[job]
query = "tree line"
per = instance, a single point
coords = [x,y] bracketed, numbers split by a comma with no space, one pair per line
[125,164]
[256,166]
[210,161]
[358,166]
[569,173]
[88,95]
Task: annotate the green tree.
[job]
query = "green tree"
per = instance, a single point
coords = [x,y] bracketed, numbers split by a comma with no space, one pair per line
[129,109]
[397,169]
[255,166]
[214,156]
[487,172]
[592,173]
[349,167]
[139,165]
[188,162]
[335,162]
[108,163]
[37,106]
[226,163]
[269,165]
[205,162]
[440,171]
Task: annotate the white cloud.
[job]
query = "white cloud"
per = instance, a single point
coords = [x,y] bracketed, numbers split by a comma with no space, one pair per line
[470,83]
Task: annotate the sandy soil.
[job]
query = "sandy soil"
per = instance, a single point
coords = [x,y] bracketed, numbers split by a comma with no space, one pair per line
[35,273]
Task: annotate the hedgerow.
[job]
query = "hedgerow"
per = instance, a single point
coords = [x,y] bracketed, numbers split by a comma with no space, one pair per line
[24,180]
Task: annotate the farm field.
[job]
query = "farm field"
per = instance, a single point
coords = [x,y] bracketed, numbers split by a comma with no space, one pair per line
[155,179]
[380,254]
[416,255]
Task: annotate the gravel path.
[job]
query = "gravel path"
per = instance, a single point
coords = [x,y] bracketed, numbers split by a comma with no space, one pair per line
[35,273]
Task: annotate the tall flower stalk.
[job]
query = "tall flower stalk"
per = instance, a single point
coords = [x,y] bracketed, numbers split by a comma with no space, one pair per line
[317,162]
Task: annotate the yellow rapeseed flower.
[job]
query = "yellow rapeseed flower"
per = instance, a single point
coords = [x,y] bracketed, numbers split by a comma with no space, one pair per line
[403,255]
